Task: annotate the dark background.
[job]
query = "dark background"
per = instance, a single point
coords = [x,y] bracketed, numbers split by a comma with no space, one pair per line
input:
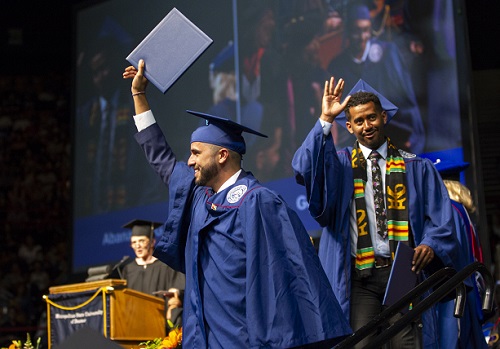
[36,40]
[45,29]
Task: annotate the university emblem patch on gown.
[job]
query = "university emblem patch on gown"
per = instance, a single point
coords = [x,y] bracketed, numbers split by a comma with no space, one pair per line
[236,193]
[376,53]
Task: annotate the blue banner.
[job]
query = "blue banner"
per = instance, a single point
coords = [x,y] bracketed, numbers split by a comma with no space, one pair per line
[71,312]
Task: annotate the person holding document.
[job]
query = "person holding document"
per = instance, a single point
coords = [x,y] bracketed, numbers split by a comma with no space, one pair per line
[369,197]
[253,278]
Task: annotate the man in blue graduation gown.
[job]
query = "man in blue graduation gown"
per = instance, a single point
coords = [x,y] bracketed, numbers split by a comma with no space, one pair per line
[253,279]
[356,253]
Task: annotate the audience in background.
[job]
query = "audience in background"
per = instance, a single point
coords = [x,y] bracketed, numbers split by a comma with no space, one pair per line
[35,205]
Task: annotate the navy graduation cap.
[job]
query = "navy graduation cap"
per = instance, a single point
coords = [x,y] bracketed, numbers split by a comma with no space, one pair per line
[224,61]
[222,132]
[358,11]
[363,86]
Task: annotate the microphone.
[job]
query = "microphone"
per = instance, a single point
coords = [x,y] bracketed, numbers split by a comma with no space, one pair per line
[120,264]
[104,271]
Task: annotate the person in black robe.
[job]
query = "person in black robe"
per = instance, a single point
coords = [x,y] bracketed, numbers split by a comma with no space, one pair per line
[149,275]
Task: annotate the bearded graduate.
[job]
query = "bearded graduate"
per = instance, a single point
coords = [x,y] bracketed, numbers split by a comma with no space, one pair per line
[253,278]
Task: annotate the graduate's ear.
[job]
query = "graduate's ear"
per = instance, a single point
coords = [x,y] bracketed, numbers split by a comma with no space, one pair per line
[349,127]
[222,155]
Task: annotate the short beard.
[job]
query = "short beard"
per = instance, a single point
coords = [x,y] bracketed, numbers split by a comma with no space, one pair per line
[207,174]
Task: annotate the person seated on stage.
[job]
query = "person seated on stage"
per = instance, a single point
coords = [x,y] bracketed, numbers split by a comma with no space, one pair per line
[148,274]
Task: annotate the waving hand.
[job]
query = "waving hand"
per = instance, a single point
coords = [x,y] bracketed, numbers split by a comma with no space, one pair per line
[332,95]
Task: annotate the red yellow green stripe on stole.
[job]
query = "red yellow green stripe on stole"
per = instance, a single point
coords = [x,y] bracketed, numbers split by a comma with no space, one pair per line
[359,188]
[397,230]
[365,258]
[395,164]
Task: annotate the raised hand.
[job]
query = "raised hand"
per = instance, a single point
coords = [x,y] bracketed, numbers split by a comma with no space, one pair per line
[331,106]
[140,82]
[138,88]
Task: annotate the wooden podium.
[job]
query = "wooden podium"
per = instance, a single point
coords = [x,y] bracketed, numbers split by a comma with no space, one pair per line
[131,317]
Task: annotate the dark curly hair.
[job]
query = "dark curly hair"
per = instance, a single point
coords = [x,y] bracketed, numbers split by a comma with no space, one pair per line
[363,97]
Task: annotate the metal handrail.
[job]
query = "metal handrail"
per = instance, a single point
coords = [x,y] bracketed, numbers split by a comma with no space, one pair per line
[435,297]
[455,282]
[404,302]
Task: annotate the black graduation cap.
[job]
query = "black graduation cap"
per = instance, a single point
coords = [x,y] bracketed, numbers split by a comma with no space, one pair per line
[222,132]
[142,227]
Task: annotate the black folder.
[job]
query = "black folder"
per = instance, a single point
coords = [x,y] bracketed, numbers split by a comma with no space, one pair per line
[170,49]
[401,279]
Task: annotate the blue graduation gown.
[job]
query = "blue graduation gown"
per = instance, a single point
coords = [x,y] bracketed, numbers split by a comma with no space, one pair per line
[328,178]
[465,332]
[253,278]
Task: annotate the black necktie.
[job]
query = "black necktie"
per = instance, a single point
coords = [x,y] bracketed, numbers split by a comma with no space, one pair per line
[378,195]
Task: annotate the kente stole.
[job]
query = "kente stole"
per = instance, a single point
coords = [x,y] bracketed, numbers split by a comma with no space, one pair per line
[396,204]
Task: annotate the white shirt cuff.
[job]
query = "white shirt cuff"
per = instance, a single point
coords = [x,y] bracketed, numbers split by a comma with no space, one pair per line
[144,120]
[327,126]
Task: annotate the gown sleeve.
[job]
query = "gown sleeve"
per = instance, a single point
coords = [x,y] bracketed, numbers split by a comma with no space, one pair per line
[180,180]
[317,166]
[438,229]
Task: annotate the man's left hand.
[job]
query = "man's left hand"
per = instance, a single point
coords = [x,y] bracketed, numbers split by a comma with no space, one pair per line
[422,257]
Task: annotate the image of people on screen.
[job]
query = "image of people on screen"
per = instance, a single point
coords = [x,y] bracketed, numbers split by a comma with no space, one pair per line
[110,173]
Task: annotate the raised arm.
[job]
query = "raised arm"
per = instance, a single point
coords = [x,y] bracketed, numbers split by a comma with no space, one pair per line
[331,106]
[138,89]
[150,137]
[317,155]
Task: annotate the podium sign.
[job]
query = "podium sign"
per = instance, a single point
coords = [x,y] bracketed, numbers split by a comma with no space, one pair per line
[71,312]
[125,316]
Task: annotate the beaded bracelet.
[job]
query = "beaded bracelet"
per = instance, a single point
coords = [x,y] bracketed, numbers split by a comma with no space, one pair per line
[138,93]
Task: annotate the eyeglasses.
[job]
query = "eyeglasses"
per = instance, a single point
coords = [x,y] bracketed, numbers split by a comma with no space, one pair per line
[140,242]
